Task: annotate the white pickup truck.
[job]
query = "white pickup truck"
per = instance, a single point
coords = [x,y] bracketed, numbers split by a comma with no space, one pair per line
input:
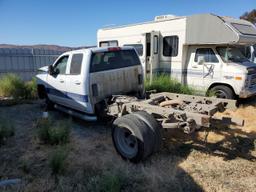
[90,82]
[82,79]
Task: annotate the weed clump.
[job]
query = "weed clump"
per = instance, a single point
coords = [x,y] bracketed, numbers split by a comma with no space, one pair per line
[30,89]
[163,83]
[12,85]
[6,130]
[53,133]
[58,160]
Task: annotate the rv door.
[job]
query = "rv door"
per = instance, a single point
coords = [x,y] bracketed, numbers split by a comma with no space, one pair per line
[152,53]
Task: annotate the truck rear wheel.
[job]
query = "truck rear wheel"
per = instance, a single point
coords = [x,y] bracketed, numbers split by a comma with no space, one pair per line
[224,92]
[154,125]
[133,139]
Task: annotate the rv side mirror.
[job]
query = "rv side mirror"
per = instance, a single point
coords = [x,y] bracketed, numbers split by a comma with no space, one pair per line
[201,60]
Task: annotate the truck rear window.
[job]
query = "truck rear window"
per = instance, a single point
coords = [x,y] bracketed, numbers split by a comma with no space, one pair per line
[103,61]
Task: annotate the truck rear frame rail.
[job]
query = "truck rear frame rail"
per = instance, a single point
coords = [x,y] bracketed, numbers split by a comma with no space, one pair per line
[174,111]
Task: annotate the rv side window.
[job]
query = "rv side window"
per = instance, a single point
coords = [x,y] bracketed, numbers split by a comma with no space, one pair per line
[138,47]
[108,43]
[104,61]
[76,64]
[170,46]
[244,29]
[208,54]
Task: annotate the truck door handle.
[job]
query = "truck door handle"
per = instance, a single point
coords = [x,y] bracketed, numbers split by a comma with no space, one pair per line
[77,82]
[61,81]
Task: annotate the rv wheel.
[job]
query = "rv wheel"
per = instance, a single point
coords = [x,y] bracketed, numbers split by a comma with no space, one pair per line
[224,92]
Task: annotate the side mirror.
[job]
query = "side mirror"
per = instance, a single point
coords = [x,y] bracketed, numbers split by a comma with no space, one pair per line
[201,60]
[56,72]
[50,70]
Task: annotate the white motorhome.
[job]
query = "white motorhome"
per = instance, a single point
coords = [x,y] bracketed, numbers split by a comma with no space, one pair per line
[198,50]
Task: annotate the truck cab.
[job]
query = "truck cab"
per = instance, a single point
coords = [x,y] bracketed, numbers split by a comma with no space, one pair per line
[81,79]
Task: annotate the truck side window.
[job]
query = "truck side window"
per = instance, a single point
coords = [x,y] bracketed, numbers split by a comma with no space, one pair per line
[208,54]
[61,65]
[170,46]
[76,64]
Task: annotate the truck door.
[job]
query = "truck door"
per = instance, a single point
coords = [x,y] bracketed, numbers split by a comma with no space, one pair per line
[76,85]
[152,53]
[203,68]
[56,87]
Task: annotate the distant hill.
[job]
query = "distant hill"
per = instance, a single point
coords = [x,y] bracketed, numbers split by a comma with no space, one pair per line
[43,46]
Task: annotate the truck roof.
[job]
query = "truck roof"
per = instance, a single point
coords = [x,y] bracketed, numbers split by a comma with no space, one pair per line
[99,49]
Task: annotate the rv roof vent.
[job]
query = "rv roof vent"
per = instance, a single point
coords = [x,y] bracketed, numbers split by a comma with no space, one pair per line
[165,17]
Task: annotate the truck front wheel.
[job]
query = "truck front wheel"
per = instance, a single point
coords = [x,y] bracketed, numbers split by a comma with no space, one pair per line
[133,139]
[224,92]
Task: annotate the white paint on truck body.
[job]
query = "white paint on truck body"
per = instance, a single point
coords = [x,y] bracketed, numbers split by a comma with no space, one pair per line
[82,78]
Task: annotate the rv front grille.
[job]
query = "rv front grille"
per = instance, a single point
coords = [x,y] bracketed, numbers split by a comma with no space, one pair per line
[253,80]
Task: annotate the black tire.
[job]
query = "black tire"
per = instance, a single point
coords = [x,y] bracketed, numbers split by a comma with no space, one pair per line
[224,92]
[49,104]
[41,92]
[154,126]
[130,127]
[100,110]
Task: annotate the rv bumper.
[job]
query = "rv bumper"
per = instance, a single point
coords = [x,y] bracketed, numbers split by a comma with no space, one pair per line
[245,93]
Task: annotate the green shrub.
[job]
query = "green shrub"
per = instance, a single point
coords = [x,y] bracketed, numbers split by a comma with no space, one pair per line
[59,134]
[31,89]
[11,86]
[163,83]
[110,182]
[53,133]
[6,130]
[43,126]
[58,160]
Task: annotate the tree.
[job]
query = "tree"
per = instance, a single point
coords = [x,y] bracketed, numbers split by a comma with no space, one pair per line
[250,16]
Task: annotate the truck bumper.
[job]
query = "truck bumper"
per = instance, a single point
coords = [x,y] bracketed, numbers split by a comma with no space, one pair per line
[245,93]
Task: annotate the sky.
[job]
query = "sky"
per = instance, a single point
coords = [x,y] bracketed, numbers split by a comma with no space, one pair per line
[75,22]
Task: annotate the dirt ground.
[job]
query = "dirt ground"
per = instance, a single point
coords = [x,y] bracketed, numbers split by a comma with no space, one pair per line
[217,159]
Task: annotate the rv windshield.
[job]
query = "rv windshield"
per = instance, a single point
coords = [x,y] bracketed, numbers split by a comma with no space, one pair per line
[231,54]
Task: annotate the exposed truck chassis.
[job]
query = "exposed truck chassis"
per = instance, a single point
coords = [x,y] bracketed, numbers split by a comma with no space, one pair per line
[176,110]
[137,128]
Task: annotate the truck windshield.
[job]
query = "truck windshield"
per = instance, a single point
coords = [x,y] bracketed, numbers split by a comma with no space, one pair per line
[231,54]
[103,61]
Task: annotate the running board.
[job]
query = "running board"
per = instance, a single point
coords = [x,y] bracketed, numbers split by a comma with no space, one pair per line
[76,114]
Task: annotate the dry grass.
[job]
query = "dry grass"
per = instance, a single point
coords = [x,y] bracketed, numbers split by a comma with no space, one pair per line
[211,160]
